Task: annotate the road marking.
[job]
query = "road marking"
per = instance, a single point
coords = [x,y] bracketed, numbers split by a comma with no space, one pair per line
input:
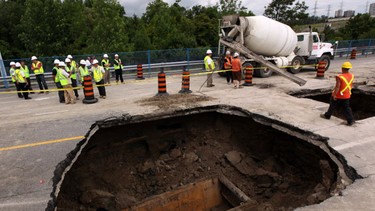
[42,143]
[43,98]
[14,101]
[51,112]
[352,144]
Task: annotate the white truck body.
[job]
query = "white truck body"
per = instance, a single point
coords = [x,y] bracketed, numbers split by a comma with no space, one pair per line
[275,42]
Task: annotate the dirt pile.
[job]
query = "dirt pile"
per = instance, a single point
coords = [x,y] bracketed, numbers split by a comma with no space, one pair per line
[121,166]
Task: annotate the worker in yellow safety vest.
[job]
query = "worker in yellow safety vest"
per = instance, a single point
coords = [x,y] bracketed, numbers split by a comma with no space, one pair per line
[12,71]
[26,71]
[117,65]
[21,80]
[341,94]
[72,70]
[56,79]
[98,73]
[106,65]
[83,70]
[210,67]
[64,79]
[37,68]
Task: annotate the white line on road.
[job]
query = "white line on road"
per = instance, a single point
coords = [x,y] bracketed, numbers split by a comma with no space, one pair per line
[52,112]
[43,98]
[353,144]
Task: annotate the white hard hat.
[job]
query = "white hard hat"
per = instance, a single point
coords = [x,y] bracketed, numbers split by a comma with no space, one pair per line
[62,64]
[209,51]
[34,58]
[236,54]
[83,62]
[88,63]
[12,63]
[227,53]
[56,61]
[67,60]
[95,61]
[18,64]
[105,55]
[69,56]
[116,54]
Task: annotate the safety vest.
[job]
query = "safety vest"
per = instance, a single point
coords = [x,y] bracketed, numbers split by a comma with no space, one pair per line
[74,64]
[83,72]
[57,79]
[346,85]
[12,71]
[236,65]
[206,61]
[98,74]
[72,71]
[105,61]
[37,71]
[228,63]
[19,76]
[117,64]
[26,71]
[62,78]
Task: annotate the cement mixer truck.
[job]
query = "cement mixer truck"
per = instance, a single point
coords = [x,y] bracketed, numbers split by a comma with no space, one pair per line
[271,45]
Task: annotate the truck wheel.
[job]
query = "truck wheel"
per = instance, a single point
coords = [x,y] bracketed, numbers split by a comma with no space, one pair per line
[325,58]
[264,72]
[296,65]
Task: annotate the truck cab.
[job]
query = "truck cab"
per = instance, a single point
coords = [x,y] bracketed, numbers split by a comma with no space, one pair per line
[310,42]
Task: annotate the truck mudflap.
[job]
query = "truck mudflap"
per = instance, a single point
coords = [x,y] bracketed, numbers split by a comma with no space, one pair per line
[251,55]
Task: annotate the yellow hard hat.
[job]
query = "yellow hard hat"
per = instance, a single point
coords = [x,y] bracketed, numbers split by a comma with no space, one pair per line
[347,65]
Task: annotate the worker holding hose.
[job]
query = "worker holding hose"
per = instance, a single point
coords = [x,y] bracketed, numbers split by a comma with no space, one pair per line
[210,67]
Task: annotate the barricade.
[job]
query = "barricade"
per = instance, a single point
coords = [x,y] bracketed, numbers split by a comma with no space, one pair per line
[88,90]
[185,88]
[320,69]
[162,83]
[140,72]
[353,54]
[248,76]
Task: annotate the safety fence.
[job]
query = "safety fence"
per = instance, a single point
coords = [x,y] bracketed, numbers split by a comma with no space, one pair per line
[363,47]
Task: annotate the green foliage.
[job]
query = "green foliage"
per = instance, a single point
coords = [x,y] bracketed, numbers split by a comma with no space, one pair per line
[360,26]
[286,11]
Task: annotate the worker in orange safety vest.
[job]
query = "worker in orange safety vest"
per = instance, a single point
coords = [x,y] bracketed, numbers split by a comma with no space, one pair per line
[228,67]
[341,94]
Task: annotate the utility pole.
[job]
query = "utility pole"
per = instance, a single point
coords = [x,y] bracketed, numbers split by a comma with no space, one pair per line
[315,6]
[367,11]
[329,10]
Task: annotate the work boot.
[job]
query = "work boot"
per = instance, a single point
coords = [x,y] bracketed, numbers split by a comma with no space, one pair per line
[351,123]
[324,116]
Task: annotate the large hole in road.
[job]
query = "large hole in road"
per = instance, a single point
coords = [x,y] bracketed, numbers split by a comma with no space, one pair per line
[208,158]
[362,102]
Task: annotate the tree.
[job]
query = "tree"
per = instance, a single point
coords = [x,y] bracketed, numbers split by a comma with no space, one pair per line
[286,11]
[229,7]
[360,26]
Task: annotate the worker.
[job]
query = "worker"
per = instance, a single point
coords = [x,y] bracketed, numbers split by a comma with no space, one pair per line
[74,64]
[210,67]
[37,68]
[117,66]
[56,79]
[21,80]
[72,70]
[228,67]
[64,78]
[83,70]
[12,71]
[98,73]
[341,94]
[106,65]
[26,71]
[236,71]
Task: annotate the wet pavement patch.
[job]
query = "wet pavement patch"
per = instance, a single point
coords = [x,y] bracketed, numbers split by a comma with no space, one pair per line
[204,158]
[362,102]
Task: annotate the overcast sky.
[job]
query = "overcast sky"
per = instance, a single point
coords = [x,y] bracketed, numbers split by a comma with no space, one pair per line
[257,6]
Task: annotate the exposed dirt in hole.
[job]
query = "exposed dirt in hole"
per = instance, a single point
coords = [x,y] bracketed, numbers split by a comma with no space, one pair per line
[174,101]
[361,102]
[123,165]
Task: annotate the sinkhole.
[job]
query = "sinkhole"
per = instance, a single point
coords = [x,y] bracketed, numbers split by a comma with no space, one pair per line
[362,102]
[206,158]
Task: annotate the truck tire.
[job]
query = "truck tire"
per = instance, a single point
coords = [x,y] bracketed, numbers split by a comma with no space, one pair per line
[326,59]
[264,72]
[296,65]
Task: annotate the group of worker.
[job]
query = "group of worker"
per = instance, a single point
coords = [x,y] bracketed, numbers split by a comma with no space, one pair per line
[232,66]
[64,74]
